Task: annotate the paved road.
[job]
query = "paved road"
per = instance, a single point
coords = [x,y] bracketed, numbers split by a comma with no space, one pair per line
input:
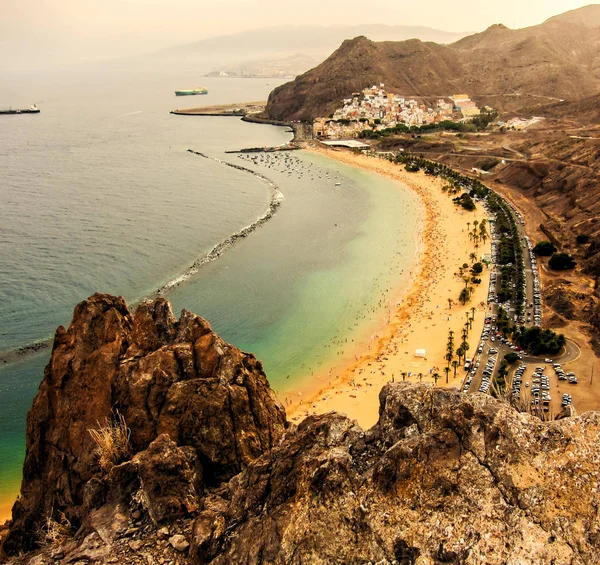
[571,351]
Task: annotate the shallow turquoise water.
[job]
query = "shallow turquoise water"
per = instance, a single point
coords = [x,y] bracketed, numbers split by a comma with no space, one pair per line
[100,194]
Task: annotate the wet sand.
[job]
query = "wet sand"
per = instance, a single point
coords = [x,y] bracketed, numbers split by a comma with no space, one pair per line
[422,315]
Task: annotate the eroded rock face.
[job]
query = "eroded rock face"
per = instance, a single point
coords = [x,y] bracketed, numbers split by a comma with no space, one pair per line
[184,393]
[442,478]
[216,475]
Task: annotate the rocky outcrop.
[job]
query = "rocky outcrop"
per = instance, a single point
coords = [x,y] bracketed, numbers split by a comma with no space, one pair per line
[198,412]
[442,478]
[216,475]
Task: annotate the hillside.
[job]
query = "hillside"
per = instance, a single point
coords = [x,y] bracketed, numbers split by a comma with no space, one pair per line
[360,62]
[504,68]
[583,112]
[216,475]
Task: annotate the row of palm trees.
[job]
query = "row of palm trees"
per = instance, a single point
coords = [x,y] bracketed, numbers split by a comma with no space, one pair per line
[463,349]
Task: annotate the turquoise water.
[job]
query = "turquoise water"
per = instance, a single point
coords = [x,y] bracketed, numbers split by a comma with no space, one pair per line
[99,193]
[303,286]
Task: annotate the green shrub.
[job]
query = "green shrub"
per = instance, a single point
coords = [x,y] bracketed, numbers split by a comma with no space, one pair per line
[544,249]
[465,201]
[477,268]
[537,341]
[561,262]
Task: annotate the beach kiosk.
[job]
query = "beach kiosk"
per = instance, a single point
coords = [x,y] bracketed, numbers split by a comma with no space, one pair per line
[421,353]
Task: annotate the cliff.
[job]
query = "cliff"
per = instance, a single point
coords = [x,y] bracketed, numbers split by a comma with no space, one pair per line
[217,476]
[185,395]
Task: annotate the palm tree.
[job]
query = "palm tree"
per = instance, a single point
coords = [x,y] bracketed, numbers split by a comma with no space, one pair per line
[482,231]
[473,257]
[420,377]
[459,353]
[404,374]
[448,357]
[469,227]
[455,366]
[450,302]
[436,377]
[447,371]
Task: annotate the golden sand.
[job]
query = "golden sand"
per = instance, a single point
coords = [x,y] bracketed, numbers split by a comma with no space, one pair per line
[423,316]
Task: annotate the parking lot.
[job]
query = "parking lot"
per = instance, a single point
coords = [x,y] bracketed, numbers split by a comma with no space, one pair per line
[532,383]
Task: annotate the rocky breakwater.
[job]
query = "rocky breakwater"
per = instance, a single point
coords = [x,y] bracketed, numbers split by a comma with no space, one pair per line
[442,478]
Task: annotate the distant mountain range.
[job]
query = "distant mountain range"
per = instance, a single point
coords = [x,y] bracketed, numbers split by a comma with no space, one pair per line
[288,50]
[505,68]
[270,67]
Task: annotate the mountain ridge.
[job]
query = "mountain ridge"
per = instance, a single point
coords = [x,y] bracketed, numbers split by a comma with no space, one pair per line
[554,60]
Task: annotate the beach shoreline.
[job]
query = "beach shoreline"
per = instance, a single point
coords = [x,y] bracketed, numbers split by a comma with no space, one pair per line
[353,386]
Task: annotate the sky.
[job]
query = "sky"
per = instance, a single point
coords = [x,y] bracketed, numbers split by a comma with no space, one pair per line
[56,32]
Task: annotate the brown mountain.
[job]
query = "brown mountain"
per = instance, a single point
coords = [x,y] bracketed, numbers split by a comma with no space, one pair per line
[505,68]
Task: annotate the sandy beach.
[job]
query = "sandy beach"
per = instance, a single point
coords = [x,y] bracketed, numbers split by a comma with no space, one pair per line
[423,316]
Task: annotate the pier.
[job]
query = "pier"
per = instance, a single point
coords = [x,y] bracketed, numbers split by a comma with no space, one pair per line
[239,110]
[287,147]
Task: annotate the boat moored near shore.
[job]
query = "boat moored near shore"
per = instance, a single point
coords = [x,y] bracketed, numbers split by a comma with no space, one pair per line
[33,109]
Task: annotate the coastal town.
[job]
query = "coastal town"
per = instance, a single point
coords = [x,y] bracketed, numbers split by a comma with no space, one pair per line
[376,109]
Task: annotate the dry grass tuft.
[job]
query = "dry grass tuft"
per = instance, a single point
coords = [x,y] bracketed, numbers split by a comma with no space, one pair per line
[112,442]
[54,532]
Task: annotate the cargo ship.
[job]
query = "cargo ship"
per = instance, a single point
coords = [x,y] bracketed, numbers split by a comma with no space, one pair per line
[191,92]
[31,110]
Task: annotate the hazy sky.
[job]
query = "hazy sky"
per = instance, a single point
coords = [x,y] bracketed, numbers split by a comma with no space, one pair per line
[66,31]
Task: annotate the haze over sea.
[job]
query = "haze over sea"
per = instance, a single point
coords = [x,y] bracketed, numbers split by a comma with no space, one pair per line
[100,194]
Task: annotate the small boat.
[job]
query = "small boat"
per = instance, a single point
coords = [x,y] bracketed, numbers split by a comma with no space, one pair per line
[33,109]
[338,184]
[191,92]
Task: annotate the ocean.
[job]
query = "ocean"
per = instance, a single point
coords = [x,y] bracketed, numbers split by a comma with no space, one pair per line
[99,193]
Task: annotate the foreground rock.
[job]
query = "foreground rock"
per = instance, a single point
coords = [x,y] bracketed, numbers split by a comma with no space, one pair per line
[442,478]
[198,412]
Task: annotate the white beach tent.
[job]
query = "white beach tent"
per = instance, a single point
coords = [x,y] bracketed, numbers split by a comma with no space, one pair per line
[420,353]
